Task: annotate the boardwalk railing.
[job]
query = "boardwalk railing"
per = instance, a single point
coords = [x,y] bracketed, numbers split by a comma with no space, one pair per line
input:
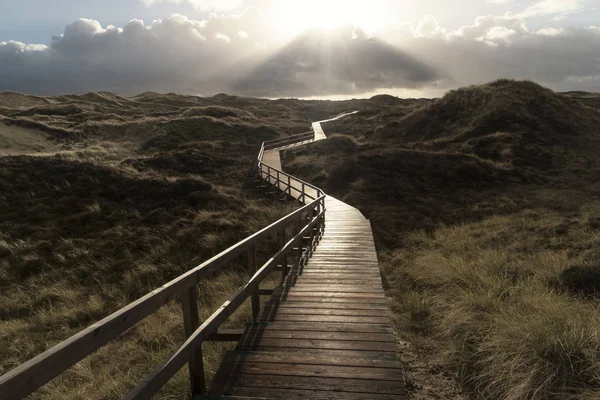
[294,139]
[288,184]
[307,222]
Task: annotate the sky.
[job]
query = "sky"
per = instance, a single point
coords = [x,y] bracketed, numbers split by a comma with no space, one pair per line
[295,48]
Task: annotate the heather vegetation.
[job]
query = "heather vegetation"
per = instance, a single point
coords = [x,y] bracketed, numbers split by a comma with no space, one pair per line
[105,198]
[483,204]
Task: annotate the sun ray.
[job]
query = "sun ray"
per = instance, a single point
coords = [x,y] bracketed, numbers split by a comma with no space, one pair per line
[299,16]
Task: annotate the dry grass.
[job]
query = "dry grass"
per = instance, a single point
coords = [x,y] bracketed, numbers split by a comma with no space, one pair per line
[491,295]
[483,214]
[132,193]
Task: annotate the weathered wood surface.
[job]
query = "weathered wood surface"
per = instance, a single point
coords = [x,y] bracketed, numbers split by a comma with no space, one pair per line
[326,332]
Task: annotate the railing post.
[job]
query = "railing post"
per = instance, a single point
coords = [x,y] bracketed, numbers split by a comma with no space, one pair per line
[190,324]
[268,173]
[253,266]
[299,225]
[322,222]
[303,194]
[278,187]
[284,265]
[289,186]
[312,233]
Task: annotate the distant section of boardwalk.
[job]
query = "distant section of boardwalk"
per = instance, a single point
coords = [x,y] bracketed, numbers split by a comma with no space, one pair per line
[326,332]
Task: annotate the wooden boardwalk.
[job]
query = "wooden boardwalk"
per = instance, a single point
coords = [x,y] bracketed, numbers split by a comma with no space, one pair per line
[326,332]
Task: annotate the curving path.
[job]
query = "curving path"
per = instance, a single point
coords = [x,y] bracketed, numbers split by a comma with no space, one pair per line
[326,332]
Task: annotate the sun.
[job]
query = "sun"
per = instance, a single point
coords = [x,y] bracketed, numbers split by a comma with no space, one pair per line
[299,16]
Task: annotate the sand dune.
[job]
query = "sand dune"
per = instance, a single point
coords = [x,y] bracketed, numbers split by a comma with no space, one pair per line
[15,140]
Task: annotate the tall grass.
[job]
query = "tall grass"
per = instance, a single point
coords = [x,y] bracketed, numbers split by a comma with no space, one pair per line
[493,298]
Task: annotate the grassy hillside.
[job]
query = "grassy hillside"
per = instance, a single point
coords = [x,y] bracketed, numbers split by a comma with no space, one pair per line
[105,198]
[483,207]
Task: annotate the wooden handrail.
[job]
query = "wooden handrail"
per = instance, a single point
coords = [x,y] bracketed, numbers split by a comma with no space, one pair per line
[31,375]
[268,142]
[161,375]
[288,141]
[272,172]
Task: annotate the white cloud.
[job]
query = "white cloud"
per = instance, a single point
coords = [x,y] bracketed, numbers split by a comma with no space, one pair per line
[14,47]
[498,35]
[430,27]
[492,30]
[222,37]
[561,59]
[550,31]
[546,7]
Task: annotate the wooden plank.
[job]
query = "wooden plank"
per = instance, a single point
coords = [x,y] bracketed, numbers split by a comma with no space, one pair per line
[314,370]
[318,274]
[301,281]
[335,386]
[336,288]
[321,311]
[295,394]
[339,295]
[335,306]
[316,335]
[348,300]
[341,270]
[314,359]
[336,273]
[328,318]
[324,326]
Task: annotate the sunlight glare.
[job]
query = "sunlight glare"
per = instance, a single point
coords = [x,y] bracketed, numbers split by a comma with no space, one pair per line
[299,16]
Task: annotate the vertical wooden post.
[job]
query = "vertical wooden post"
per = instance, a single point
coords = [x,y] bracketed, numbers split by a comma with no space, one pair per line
[284,265]
[289,186]
[268,173]
[299,226]
[190,324]
[322,222]
[303,193]
[278,186]
[252,264]
[312,233]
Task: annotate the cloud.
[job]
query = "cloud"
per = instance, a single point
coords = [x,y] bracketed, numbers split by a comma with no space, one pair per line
[492,30]
[173,54]
[496,47]
[224,53]
[546,7]
[244,54]
[430,27]
[550,31]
